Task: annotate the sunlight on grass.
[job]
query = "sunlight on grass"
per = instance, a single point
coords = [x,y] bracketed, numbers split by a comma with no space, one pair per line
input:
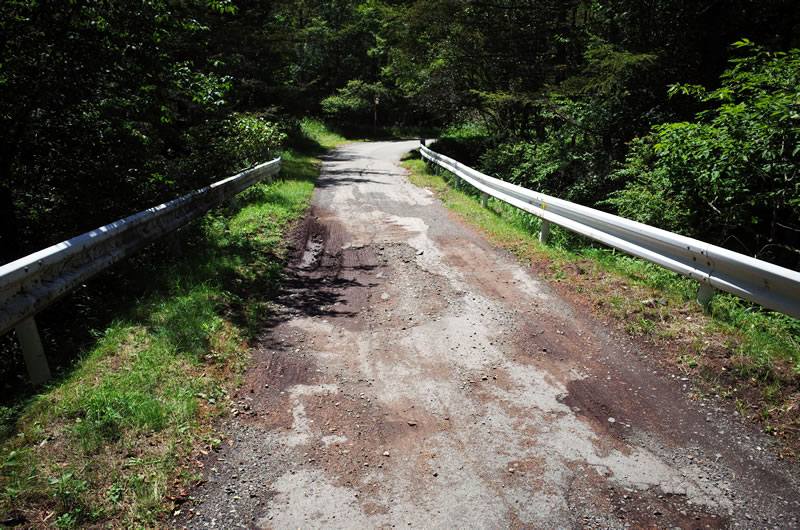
[317,131]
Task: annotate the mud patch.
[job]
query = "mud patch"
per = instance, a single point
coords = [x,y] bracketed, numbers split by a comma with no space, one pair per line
[327,276]
[264,397]
[312,254]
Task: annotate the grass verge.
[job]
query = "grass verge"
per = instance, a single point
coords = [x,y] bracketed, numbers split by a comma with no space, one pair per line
[735,350]
[117,441]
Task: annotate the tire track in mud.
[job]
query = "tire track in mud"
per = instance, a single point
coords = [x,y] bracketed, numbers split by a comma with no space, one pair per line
[412,375]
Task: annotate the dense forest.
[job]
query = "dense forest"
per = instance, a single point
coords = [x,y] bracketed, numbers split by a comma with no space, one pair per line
[684,115]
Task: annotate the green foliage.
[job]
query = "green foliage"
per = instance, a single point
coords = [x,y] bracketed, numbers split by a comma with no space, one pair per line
[141,397]
[69,490]
[95,99]
[767,335]
[564,144]
[206,89]
[493,60]
[643,198]
[144,103]
[110,410]
[464,142]
[249,140]
[223,6]
[533,165]
[354,103]
[609,69]
[562,88]
[732,174]
[550,167]
[7,416]
[559,165]
[316,131]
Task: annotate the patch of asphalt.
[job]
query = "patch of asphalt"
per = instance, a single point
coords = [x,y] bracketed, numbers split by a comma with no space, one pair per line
[416,376]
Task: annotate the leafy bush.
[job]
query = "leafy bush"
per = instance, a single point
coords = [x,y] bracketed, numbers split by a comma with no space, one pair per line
[732,174]
[465,143]
[533,165]
[221,147]
[250,140]
[565,169]
[353,103]
[643,198]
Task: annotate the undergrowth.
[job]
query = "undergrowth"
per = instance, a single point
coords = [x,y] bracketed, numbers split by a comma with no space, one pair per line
[111,443]
[737,350]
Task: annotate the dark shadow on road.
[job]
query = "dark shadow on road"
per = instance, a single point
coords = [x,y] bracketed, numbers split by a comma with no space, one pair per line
[340,156]
[331,182]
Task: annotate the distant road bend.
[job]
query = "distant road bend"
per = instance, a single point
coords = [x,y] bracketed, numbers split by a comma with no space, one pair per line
[416,376]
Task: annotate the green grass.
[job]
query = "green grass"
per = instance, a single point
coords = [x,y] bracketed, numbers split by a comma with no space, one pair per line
[758,336]
[320,134]
[760,348]
[110,443]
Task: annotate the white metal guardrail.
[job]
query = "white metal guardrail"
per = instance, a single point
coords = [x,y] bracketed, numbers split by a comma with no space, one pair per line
[30,284]
[714,267]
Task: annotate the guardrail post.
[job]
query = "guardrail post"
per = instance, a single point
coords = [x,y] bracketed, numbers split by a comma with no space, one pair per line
[704,294]
[32,349]
[484,199]
[544,232]
[422,141]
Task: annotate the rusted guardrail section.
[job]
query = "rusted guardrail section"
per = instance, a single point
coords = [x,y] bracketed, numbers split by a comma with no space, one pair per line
[714,267]
[32,283]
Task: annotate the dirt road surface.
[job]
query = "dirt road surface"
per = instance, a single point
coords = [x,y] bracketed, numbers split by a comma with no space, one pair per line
[415,376]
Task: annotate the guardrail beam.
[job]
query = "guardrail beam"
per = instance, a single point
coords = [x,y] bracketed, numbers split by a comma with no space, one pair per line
[774,287]
[30,284]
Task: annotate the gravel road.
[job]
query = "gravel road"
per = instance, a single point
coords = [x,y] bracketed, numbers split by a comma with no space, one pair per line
[415,376]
